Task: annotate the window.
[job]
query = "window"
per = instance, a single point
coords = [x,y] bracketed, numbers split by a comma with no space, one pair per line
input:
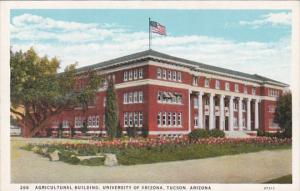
[169,97]
[130,97]
[140,119]
[159,119]
[125,98]
[135,74]
[179,119]
[207,83]
[141,97]
[217,84]
[235,122]
[235,105]
[125,76]
[141,73]
[169,75]
[164,116]
[253,90]
[174,77]
[78,122]
[158,73]
[135,97]
[196,121]
[90,122]
[179,76]
[245,89]
[130,75]
[125,119]
[196,102]
[174,119]
[236,87]
[206,101]
[227,87]
[243,106]
[164,74]
[169,119]
[244,122]
[159,97]
[136,119]
[130,119]
[195,80]
[97,121]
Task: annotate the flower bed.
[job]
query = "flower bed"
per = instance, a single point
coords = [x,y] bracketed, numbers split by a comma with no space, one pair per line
[139,151]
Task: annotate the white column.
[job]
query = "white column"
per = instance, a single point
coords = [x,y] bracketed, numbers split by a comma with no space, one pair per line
[240,114]
[231,114]
[222,121]
[189,103]
[248,114]
[256,120]
[211,112]
[200,110]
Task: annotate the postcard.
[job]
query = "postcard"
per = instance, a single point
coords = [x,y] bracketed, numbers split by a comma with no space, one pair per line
[150,95]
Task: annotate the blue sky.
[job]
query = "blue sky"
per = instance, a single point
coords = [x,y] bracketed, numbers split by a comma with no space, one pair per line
[252,41]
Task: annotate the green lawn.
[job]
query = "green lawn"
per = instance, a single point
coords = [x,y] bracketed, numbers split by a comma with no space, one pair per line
[196,151]
[281,180]
[162,153]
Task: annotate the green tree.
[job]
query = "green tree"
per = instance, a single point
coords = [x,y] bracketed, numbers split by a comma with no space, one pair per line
[283,114]
[111,111]
[42,92]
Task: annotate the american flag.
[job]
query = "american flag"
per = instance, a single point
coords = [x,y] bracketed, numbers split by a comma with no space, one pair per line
[157,28]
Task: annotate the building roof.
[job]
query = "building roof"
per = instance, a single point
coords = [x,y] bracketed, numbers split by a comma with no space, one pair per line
[151,54]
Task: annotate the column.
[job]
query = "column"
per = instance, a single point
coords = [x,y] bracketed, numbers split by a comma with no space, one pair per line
[256,119]
[211,111]
[249,114]
[200,110]
[222,121]
[240,114]
[231,113]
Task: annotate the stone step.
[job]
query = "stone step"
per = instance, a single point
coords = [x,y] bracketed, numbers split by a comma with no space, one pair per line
[236,134]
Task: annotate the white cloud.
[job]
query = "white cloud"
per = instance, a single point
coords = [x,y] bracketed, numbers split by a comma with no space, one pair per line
[275,19]
[98,44]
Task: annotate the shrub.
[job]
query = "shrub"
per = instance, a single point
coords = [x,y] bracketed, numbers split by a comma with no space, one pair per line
[260,133]
[216,133]
[203,133]
[198,133]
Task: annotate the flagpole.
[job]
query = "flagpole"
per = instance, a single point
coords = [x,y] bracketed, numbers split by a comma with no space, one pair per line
[149,34]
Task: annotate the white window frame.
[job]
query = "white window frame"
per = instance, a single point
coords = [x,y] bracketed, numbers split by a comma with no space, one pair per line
[141,119]
[141,73]
[235,106]
[158,73]
[130,97]
[130,119]
[130,75]
[217,84]
[164,74]
[254,91]
[195,80]
[125,75]
[179,76]
[169,121]
[196,102]
[159,119]
[136,119]
[135,97]
[179,119]
[174,120]
[141,97]
[164,119]
[174,75]
[236,87]
[206,82]
[227,86]
[126,119]
[169,74]
[135,74]
[125,98]
[196,121]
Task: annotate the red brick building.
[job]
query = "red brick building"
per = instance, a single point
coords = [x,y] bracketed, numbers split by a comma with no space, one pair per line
[173,96]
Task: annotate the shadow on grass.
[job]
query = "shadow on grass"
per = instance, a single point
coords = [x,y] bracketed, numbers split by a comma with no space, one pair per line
[281,180]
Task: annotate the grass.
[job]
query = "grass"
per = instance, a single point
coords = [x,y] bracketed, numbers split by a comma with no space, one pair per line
[281,180]
[164,154]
